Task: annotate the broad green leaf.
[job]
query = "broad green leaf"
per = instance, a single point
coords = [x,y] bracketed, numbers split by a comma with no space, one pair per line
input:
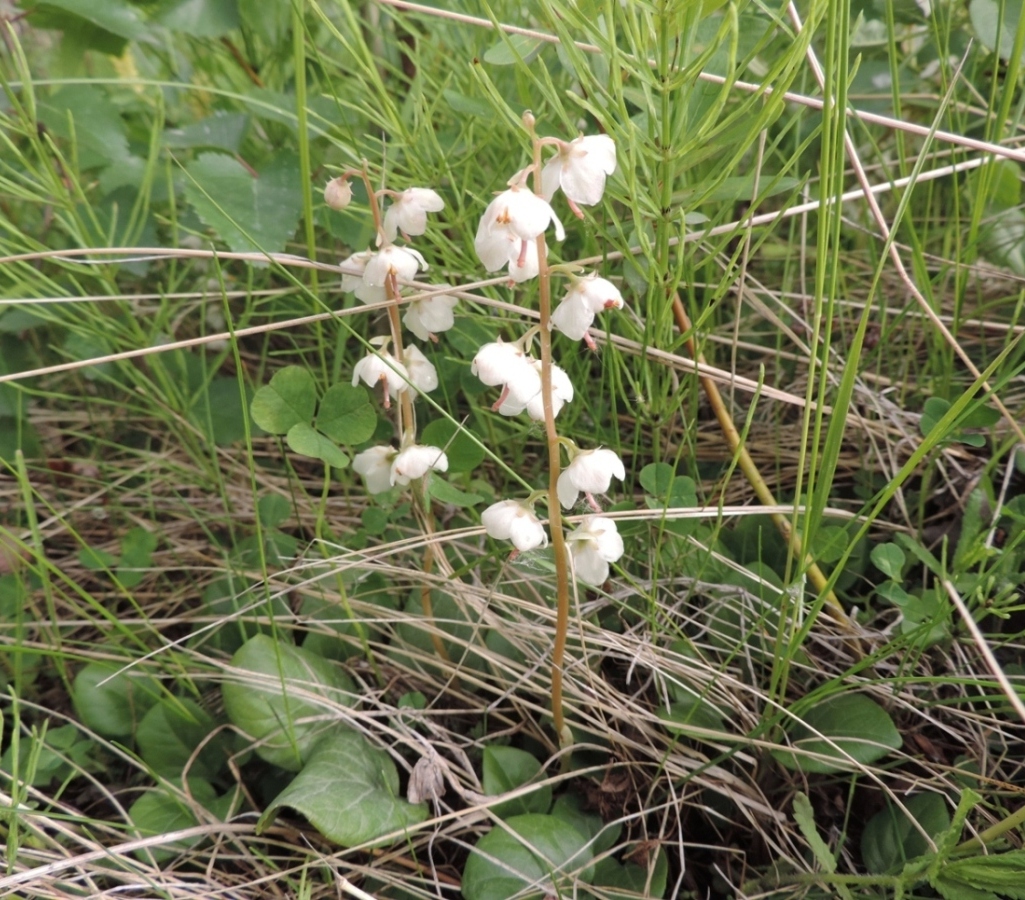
[694,713]
[855,730]
[99,133]
[137,548]
[600,836]
[200,18]
[116,16]
[96,560]
[248,213]
[531,857]
[828,543]
[463,451]
[629,881]
[656,479]
[160,811]
[890,838]
[273,509]
[169,734]
[114,708]
[888,559]
[507,768]
[513,49]
[349,791]
[995,31]
[346,415]
[290,399]
[223,131]
[284,707]
[218,410]
[306,440]
[444,492]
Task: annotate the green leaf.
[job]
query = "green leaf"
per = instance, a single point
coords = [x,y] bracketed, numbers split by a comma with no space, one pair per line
[507,768]
[890,838]
[200,18]
[444,492]
[306,440]
[513,49]
[100,134]
[248,213]
[55,754]
[464,451]
[986,16]
[116,16]
[222,131]
[278,708]
[268,18]
[600,837]
[1000,874]
[218,410]
[96,560]
[888,559]
[273,509]
[656,479]
[533,856]
[160,811]
[114,708]
[829,543]
[346,415]
[290,399]
[855,729]
[804,816]
[137,548]
[349,791]
[169,734]
[683,717]
[630,881]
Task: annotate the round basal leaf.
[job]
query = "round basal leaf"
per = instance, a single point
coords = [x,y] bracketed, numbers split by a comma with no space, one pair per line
[346,415]
[307,441]
[985,16]
[349,791]
[289,399]
[692,714]
[219,411]
[249,212]
[858,729]
[657,479]
[629,881]
[273,509]
[280,710]
[115,707]
[934,409]
[890,838]
[169,734]
[529,857]
[449,494]
[888,559]
[160,811]
[600,836]
[201,18]
[828,543]
[507,768]
[464,452]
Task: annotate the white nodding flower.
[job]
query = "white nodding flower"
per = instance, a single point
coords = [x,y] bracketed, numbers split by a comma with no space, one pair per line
[513,220]
[422,374]
[338,193]
[580,169]
[391,262]
[510,520]
[430,316]
[375,467]
[415,461]
[353,268]
[497,362]
[593,545]
[408,212]
[585,298]
[590,472]
[526,393]
[381,367]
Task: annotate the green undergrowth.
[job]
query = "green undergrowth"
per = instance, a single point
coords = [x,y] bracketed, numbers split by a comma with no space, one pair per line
[217,661]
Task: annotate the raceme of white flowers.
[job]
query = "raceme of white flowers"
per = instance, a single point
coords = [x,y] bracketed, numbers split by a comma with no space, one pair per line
[506,239]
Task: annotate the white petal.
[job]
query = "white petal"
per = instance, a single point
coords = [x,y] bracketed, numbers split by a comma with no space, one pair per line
[531,265]
[422,374]
[416,461]
[573,316]
[374,465]
[598,293]
[588,565]
[495,249]
[593,470]
[551,175]
[567,490]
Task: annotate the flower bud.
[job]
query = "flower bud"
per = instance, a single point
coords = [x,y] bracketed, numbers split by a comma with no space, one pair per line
[338,193]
